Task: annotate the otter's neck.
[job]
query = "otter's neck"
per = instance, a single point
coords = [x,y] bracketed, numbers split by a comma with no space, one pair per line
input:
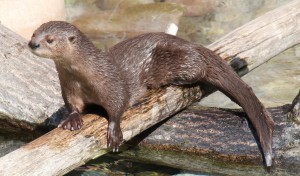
[85,61]
[85,50]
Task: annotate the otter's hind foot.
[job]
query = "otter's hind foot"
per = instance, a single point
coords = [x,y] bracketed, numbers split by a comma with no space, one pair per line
[114,136]
[73,122]
[268,159]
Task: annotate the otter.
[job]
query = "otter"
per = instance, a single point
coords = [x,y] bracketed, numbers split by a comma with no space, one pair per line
[118,78]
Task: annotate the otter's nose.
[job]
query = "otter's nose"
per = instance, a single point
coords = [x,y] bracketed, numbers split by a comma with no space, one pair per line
[33,45]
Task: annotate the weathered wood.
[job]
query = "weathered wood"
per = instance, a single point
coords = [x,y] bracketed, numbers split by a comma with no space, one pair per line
[217,141]
[30,90]
[223,135]
[61,151]
[262,38]
[64,150]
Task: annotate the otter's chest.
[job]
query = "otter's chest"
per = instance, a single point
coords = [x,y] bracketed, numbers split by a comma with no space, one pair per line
[87,92]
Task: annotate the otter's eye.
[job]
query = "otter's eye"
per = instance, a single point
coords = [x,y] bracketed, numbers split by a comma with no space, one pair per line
[49,40]
[72,39]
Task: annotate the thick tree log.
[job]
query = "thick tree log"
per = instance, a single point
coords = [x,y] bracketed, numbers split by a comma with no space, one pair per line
[210,137]
[61,151]
[30,90]
[220,135]
[260,37]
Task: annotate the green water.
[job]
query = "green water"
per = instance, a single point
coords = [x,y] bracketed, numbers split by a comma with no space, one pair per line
[115,165]
[7,145]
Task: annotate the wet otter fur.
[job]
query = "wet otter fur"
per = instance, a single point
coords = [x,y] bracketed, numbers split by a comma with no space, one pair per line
[118,78]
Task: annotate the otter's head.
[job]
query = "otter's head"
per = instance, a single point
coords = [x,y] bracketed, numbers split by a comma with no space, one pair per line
[55,40]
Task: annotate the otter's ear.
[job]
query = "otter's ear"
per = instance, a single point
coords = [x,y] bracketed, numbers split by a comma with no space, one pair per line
[72,39]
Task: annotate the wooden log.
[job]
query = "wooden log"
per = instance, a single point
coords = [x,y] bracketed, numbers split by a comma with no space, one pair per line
[222,135]
[257,40]
[30,91]
[217,141]
[60,151]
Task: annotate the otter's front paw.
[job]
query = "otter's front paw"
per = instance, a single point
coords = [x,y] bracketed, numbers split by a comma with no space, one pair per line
[73,122]
[114,136]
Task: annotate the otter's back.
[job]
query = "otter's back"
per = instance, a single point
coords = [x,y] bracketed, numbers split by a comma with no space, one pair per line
[135,56]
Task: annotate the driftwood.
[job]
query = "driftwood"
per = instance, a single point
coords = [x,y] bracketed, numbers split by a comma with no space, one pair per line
[60,151]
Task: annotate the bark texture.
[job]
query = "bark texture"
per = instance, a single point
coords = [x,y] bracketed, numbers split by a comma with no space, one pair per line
[30,90]
[222,134]
[218,141]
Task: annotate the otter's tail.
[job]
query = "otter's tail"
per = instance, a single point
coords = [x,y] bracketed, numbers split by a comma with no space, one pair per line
[222,76]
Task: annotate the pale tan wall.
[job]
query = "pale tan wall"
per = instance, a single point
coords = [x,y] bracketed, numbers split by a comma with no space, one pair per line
[23,16]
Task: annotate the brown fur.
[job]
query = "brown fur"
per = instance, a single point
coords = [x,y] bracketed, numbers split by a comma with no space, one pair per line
[118,78]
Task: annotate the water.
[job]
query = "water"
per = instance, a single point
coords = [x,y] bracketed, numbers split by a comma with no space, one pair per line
[7,145]
[115,165]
